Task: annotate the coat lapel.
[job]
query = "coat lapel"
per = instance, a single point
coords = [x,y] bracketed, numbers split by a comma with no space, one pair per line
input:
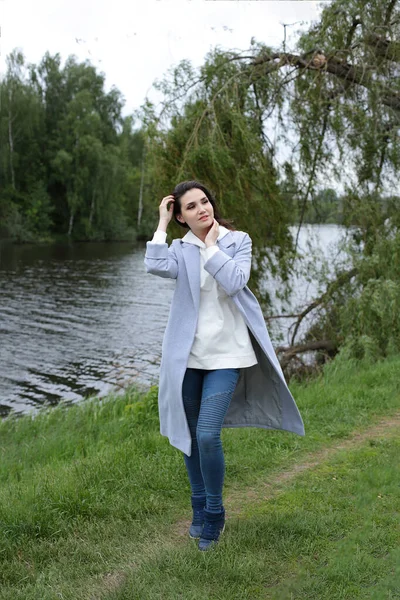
[191,255]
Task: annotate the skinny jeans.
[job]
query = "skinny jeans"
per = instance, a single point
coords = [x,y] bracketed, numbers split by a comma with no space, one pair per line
[206,398]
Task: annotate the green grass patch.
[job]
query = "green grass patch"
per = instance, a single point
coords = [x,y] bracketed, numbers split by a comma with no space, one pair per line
[333,533]
[93,488]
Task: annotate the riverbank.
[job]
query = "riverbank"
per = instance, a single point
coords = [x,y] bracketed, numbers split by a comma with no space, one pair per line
[80,319]
[131,238]
[94,503]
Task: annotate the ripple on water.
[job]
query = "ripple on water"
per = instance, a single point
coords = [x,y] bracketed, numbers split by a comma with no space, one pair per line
[82,319]
[72,326]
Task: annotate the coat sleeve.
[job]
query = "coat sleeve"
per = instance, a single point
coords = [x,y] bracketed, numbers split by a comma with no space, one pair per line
[161,260]
[232,274]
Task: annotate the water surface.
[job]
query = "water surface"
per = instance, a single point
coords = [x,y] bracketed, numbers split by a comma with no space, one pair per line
[81,319]
[77,320]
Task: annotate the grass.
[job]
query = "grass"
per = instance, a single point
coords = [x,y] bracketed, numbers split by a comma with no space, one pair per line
[89,497]
[333,533]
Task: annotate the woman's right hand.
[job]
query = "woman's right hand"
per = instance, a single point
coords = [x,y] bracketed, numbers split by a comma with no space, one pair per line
[165,214]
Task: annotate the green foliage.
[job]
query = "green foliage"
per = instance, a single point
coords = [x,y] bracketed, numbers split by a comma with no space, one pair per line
[91,499]
[38,210]
[73,165]
[145,410]
[362,315]
[215,135]
[337,120]
[346,111]
[11,217]
[324,208]
[370,319]
[70,159]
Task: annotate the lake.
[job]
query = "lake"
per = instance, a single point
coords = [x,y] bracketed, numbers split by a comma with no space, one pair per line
[86,318]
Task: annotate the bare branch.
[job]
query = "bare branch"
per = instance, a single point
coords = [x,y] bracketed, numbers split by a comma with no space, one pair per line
[335,66]
[383,47]
[332,287]
[291,352]
[272,317]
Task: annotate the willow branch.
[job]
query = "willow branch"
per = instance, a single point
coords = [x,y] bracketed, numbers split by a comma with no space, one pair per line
[383,47]
[313,171]
[335,66]
[332,287]
[272,317]
[209,105]
[389,12]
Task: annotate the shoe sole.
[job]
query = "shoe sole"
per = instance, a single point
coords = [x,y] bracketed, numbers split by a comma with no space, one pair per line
[213,542]
[192,537]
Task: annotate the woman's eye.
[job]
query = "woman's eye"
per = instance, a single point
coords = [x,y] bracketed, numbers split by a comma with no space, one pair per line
[204,202]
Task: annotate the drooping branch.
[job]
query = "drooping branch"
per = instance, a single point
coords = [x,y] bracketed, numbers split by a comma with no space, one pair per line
[330,64]
[332,287]
[329,346]
[193,137]
[260,121]
[383,151]
[383,47]
[389,12]
[288,316]
[313,172]
[350,34]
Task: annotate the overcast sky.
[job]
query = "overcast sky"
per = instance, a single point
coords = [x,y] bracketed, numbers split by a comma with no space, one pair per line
[136,43]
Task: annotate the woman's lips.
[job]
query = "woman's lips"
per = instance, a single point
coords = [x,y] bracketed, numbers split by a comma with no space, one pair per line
[203,218]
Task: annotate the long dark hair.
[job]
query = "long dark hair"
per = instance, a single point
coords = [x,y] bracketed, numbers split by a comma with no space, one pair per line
[185,186]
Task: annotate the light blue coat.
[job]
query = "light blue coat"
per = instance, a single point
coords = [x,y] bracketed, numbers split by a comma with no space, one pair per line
[261,397]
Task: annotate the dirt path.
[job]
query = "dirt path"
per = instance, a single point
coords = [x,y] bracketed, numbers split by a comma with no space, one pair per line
[387,427]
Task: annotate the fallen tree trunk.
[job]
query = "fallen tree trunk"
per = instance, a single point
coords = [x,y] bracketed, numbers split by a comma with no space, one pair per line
[290,352]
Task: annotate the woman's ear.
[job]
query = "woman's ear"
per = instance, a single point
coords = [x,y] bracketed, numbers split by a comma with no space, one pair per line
[180,218]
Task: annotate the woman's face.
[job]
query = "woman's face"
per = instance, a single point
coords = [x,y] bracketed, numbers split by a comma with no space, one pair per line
[196,210]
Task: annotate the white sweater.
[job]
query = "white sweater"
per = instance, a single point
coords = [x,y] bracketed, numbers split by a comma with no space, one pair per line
[222,339]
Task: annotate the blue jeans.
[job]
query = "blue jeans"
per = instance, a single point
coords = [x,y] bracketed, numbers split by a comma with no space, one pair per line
[206,398]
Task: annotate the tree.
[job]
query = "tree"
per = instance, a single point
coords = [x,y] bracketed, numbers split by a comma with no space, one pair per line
[22,176]
[70,161]
[336,100]
[216,137]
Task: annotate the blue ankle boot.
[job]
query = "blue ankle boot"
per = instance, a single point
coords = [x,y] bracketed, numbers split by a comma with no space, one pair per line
[214,525]
[198,505]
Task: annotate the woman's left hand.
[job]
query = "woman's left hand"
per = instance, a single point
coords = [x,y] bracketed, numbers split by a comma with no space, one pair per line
[212,235]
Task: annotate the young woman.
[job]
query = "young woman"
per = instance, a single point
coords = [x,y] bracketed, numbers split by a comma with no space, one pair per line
[218,366]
